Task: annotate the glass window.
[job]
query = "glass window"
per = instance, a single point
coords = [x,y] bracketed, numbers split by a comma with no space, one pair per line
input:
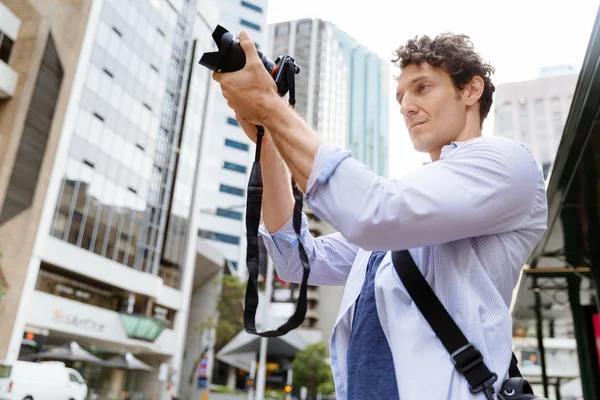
[252,6]
[83,123]
[6,45]
[118,148]
[222,237]
[524,120]
[93,81]
[236,145]
[252,25]
[232,190]
[5,371]
[103,35]
[234,167]
[232,121]
[221,212]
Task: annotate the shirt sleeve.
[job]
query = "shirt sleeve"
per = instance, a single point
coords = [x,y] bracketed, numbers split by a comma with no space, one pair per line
[485,186]
[330,257]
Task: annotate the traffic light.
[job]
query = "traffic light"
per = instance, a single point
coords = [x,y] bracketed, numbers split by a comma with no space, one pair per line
[249,383]
[287,389]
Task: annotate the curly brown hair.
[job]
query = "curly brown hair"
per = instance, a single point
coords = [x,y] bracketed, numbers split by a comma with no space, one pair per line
[455,54]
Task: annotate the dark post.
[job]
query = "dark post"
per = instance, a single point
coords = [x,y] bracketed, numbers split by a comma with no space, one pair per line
[540,335]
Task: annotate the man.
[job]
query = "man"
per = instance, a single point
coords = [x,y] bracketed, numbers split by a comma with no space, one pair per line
[470,220]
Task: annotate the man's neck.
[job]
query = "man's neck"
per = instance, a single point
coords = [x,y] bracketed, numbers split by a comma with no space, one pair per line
[462,137]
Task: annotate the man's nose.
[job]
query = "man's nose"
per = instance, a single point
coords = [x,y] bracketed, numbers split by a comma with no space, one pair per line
[408,107]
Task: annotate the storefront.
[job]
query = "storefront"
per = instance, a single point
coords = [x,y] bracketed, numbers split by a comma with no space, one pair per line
[106,322]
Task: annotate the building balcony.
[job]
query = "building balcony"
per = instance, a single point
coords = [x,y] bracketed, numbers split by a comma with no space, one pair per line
[8,81]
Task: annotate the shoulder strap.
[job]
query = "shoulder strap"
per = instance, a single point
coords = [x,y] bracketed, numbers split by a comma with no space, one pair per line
[467,359]
[253,207]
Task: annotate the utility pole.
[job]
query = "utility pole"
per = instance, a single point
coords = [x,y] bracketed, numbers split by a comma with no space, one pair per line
[262,358]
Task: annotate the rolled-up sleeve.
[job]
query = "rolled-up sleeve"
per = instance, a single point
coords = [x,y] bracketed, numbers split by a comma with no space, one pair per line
[485,186]
[330,257]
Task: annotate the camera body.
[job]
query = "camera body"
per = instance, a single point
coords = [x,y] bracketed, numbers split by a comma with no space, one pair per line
[230,57]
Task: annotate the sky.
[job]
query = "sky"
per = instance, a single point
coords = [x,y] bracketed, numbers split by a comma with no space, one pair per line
[516,37]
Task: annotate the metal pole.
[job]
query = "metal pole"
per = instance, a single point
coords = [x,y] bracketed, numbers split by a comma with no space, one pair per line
[290,374]
[252,375]
[583,345]
[262,359]
[540,335]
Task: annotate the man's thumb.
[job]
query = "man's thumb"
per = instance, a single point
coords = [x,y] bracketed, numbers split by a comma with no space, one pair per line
[247,45]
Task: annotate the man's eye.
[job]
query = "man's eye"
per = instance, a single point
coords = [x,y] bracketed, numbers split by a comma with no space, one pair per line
[423,87]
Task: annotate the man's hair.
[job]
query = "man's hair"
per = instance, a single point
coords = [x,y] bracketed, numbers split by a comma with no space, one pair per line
[454,54]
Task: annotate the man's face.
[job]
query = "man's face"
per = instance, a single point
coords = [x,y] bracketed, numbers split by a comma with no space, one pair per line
[433,111]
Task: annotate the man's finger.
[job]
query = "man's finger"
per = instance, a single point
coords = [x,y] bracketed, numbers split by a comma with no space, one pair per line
[248,47]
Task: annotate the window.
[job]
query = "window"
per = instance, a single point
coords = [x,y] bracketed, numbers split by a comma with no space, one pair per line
[234,264]
[249,24]
[73,378]
[5,371]
[524,120]
[221,212]
[232,121]
[236,145]
[234,167]
[6,45]
[231,190]
[221,237]
[252,6]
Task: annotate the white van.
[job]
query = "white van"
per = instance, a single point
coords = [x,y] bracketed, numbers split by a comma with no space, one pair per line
[22,380]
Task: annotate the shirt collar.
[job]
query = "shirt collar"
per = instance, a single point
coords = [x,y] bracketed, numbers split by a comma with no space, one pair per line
[447,149]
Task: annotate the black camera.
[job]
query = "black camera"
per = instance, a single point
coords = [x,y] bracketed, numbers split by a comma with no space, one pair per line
[230,57]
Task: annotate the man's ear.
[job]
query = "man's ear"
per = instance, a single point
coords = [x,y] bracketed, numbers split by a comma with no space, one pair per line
[473,90]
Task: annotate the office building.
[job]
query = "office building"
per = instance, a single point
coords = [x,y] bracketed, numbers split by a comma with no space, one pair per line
[228,155]
[102,118]
[342,91]
[534,112]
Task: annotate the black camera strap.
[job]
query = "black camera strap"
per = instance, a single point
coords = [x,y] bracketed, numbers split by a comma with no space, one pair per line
[467,359]
[253,211]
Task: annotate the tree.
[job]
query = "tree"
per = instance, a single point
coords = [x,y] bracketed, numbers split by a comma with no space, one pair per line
[230,320]
[311,369]
[230,309]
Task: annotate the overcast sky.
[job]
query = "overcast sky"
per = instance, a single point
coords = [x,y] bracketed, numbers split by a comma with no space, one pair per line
[516,37]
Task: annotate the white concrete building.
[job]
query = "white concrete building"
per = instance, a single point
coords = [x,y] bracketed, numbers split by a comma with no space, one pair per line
[534,112]
[228,154]
[116,248]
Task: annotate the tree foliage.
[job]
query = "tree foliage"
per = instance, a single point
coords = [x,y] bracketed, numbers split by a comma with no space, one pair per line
[231,312]
[312,369]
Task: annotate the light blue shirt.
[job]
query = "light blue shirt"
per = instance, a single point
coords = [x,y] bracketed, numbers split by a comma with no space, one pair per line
[469,220]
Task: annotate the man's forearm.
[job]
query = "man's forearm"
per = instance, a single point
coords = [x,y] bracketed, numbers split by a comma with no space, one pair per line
[278,199]
[296,142]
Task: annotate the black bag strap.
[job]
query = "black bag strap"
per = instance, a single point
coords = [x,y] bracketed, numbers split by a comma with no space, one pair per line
[467,359]
[253,209]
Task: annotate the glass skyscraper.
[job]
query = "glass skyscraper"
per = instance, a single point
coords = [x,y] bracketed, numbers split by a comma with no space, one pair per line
[342,91]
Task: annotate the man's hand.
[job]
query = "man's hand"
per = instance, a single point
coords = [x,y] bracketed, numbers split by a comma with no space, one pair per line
[249,129]
[251,91]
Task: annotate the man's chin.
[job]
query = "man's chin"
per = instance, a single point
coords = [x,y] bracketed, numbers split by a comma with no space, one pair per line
[420,146]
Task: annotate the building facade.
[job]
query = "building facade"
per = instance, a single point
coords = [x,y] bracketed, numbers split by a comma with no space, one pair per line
[343,89]
[228,155]
[100,212]
[534,112]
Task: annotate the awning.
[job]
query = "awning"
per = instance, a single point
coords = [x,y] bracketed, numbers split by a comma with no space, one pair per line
[71,351]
